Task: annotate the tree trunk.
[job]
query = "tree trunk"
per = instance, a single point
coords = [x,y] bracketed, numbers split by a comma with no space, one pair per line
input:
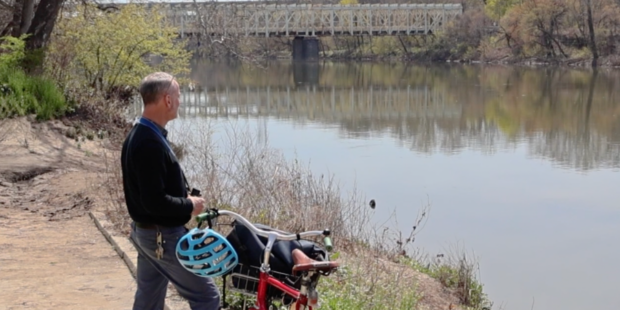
[402,43]
[12,28]
[27,15]
[43,23]
[591,30]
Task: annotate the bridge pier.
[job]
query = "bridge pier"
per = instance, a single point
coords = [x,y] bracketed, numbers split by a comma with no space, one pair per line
[306,48]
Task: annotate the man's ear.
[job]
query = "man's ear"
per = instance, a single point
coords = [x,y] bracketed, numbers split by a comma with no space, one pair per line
[168,101]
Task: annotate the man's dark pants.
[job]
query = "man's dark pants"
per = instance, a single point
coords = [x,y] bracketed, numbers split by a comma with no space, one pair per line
[154,274]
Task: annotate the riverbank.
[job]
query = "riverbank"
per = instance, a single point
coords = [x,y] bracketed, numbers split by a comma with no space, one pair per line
[430,58]
[608,62]
[52,179]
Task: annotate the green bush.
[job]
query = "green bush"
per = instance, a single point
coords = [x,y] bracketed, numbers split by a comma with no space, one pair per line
[106,52]
[22,94]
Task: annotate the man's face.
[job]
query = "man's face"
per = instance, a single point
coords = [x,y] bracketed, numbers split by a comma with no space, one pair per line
[173,100]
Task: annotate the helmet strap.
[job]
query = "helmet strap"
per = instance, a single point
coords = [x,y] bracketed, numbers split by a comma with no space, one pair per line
[224,303]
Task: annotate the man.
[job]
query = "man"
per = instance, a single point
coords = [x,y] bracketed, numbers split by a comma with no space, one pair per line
[158,202]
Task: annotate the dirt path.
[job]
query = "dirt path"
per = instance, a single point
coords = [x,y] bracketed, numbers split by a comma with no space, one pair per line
[59,265]
[52,256]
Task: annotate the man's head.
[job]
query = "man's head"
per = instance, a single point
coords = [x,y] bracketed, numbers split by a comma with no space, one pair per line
[160,93]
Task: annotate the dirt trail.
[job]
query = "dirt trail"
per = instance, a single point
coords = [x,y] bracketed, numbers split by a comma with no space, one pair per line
[59,265]
[52,256]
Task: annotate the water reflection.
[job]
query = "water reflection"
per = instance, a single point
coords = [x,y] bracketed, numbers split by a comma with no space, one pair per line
[306,73]
[465,139]
[567,116]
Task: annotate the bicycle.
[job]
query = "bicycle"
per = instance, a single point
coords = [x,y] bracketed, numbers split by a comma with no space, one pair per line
[306,271]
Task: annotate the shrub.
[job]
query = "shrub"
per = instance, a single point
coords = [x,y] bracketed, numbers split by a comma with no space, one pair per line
[22,94]
[108,51]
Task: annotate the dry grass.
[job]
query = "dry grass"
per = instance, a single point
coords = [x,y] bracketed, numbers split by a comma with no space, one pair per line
[245,175]
[115,209]
[105,116]
[240,172]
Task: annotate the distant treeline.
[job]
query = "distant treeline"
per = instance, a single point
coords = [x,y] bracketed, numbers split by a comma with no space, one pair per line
[573,32]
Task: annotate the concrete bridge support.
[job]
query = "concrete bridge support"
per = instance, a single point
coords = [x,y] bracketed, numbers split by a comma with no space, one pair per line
[305,49]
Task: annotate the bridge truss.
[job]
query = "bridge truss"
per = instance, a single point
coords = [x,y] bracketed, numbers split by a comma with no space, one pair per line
[263,19]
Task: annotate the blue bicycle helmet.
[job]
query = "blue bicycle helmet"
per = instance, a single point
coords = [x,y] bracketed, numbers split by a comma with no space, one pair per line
[206,253]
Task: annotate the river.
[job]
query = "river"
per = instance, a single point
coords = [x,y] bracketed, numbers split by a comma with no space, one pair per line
[519,165]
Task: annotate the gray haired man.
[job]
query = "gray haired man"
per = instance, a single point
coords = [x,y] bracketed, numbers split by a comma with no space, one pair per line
[158,202]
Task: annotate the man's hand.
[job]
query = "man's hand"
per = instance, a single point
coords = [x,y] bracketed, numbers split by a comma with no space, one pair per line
[199,204]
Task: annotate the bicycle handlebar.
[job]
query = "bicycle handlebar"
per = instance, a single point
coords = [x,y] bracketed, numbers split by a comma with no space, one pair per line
[212,214]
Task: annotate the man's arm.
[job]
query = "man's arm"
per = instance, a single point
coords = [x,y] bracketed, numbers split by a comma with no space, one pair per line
[149,164]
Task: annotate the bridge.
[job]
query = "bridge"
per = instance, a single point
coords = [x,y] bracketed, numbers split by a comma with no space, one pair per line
[290,19]
[305,22]
[326,103]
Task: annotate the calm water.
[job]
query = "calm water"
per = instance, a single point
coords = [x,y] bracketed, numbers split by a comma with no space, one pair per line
[521,166]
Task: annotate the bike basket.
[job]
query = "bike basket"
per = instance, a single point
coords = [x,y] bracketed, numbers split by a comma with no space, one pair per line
[244,280]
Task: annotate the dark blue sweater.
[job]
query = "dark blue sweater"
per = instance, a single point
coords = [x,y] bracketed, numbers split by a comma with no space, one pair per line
[153,181]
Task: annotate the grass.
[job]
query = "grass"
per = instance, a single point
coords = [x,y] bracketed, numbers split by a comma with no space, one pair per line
[22,94]
[457,272]
[380,267]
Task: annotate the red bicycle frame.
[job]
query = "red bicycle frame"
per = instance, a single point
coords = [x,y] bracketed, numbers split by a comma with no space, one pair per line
[265,280]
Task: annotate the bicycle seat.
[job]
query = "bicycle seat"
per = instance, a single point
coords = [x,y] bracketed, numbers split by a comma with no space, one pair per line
[305,263]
